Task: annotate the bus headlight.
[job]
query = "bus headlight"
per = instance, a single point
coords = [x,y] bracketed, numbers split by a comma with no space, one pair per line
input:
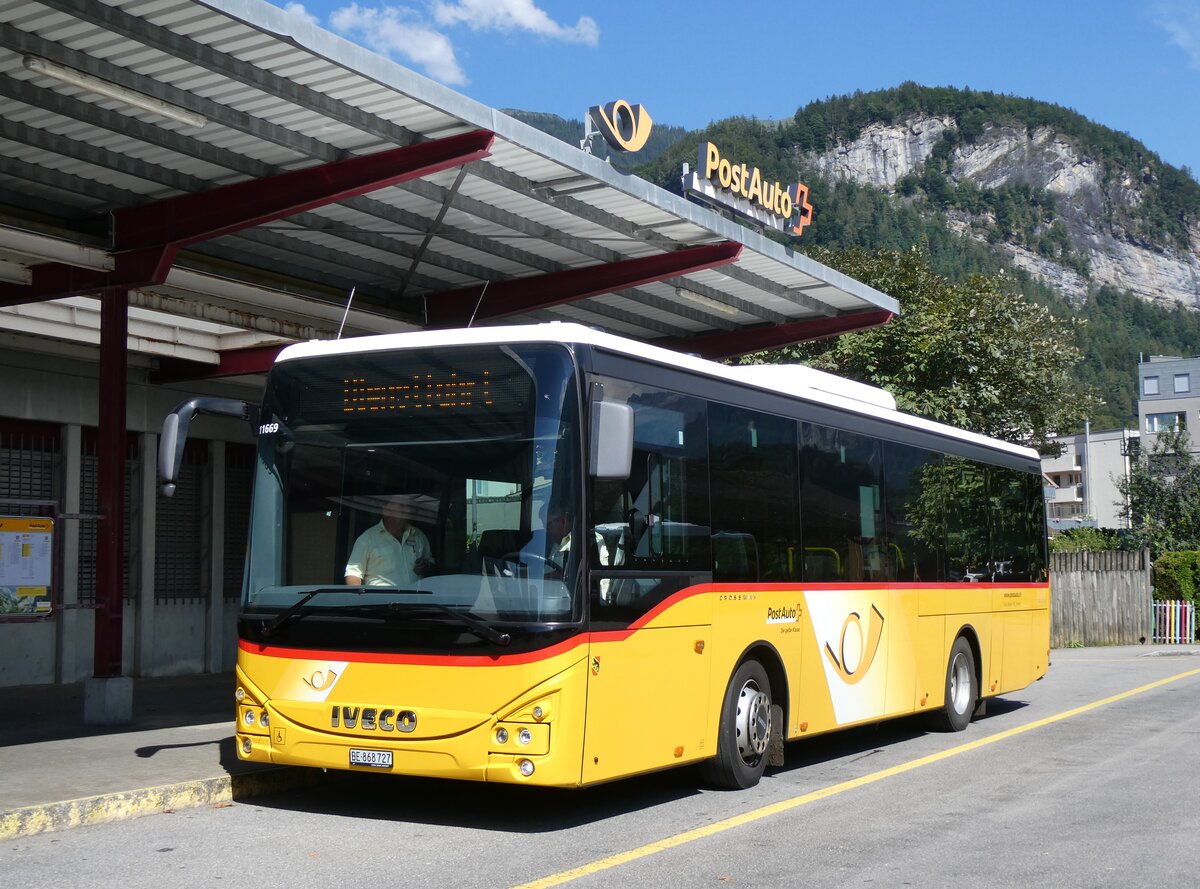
[531,740]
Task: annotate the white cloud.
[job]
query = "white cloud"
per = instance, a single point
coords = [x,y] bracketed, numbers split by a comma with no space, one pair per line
[298,10]
[1181,21]
[514,15]
[401,31]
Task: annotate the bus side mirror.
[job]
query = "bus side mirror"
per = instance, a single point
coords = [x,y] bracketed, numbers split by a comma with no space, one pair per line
[175,427]
[611,440]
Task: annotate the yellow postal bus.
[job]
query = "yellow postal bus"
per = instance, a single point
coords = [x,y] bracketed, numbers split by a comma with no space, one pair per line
[613,559]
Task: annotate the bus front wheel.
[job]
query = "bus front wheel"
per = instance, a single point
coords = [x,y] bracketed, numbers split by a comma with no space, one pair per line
[745,730]
[962,690]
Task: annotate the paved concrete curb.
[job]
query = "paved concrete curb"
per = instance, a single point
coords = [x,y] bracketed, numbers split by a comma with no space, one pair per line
[106,807]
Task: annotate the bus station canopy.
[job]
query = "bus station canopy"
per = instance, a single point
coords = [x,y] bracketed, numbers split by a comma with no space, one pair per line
[239,173]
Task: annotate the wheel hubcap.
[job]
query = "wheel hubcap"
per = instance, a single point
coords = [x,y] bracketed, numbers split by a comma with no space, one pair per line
[753,722]
[960,683]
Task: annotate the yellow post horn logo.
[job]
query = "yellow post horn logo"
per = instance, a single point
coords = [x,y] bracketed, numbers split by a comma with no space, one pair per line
[852,671]
[625,127]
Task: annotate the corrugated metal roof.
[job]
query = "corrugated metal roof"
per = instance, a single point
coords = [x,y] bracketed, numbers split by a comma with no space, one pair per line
[277,93]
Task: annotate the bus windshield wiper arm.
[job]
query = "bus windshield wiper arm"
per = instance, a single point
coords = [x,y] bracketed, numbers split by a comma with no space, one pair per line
[490,633]
[294,609]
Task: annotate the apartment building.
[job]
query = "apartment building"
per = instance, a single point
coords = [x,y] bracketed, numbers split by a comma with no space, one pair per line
[1082,482]
[1169,398]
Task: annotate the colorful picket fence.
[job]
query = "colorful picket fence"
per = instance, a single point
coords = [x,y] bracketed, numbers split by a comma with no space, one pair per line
[1175,622]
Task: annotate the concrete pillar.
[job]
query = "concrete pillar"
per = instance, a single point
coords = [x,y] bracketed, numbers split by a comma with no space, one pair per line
[145,495]
[108,700]
[70,664]
[214,612]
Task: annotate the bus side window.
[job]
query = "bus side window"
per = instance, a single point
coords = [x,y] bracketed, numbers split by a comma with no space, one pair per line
[841,505]
[968,520]
[914,519]
[658,517]
[756,522]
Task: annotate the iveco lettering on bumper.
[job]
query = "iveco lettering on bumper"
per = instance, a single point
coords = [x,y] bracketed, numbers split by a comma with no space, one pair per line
[372,719]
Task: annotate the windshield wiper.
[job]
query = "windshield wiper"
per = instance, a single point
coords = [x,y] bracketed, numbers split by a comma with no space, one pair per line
[471,622]
[293,610]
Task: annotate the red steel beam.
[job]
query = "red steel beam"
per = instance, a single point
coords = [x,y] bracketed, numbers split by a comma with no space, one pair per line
[203,215]
[51,280]
[488,302]
[146,238]
[755,339]
[235,362]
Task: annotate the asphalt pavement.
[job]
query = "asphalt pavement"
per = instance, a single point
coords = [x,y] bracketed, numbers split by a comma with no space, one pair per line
[178,752]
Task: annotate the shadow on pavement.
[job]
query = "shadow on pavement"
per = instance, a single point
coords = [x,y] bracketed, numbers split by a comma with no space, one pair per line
[508,808]
[33,713]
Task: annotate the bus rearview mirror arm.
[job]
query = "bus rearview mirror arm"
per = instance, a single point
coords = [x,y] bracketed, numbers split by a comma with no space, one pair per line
[175,428]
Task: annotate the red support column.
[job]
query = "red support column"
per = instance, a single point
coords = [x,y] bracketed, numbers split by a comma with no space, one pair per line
[110,539]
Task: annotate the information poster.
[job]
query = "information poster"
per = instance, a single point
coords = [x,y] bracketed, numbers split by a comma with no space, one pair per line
[26,564]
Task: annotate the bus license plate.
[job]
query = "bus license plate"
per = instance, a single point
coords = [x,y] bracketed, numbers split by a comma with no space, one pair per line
[378,759]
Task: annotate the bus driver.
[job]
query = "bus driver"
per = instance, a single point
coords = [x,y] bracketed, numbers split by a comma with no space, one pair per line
[393,552]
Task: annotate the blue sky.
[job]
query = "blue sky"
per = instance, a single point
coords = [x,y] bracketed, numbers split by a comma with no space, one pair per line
[1133,65]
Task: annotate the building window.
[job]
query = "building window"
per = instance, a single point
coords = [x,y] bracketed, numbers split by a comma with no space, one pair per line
[1183,383]
[1150,386]
[1163,422]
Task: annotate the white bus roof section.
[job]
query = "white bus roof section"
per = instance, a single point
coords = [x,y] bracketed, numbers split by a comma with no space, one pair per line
[795,381]
[240,90]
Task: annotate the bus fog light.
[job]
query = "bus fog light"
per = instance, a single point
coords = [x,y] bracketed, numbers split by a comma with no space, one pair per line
[246,746]
[526,767]
[265,719]
[501,736]
[249,717]
[524,736]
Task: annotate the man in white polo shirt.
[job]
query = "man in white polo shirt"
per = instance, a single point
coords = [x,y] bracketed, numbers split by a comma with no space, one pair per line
[393,552]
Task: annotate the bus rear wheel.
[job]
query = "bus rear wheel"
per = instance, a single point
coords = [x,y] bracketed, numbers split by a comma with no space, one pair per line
[962,690]
[745,730]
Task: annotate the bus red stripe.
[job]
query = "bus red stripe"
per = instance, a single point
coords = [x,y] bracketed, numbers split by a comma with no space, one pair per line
[616,635]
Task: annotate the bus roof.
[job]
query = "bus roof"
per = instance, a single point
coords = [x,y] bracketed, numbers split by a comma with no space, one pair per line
[796,381]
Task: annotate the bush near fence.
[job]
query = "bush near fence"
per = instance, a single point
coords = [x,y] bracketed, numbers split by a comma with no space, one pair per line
[1177,576]
[1100,598]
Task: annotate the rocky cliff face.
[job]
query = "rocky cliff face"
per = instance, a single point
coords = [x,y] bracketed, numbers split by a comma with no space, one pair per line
[1094,211]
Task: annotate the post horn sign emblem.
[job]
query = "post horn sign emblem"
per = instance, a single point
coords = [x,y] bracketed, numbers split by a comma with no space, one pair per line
[625,127]
[854,660]
[321,680]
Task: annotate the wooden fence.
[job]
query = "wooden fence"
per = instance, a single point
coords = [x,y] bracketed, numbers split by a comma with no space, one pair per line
[1100,598]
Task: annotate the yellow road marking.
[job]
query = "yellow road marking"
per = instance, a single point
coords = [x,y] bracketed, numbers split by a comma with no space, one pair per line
[825,792]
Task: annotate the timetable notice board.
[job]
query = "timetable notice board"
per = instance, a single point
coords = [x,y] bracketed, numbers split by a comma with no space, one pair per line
[26,564]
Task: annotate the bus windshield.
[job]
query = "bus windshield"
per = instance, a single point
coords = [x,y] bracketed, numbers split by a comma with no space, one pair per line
[416,495]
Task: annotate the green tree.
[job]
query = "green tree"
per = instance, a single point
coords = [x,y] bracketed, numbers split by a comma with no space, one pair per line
[974,354]
[1162,495]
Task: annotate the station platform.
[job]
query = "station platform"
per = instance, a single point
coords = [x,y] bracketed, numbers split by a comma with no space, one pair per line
[178,751]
